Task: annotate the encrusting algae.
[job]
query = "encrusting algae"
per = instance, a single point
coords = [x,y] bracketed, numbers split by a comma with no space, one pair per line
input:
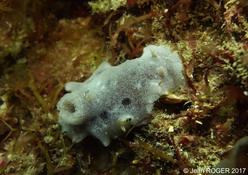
[44,44]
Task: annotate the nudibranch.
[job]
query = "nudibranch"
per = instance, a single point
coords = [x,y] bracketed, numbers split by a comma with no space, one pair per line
[117,97]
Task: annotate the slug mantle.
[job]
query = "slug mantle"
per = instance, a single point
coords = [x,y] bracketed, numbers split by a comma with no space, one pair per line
[116,97]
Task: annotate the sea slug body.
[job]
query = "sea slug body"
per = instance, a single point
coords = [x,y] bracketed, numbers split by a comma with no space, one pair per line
[116,97]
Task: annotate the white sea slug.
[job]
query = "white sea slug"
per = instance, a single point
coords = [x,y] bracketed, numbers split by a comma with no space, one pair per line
[116,97]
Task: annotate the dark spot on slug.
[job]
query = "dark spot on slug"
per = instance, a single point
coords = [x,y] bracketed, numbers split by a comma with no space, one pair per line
[104,115]
[126,101]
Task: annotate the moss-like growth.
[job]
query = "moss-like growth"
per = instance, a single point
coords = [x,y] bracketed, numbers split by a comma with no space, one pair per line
[44,44]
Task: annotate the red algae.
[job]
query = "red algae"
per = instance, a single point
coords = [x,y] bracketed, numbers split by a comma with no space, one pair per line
[44,44]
